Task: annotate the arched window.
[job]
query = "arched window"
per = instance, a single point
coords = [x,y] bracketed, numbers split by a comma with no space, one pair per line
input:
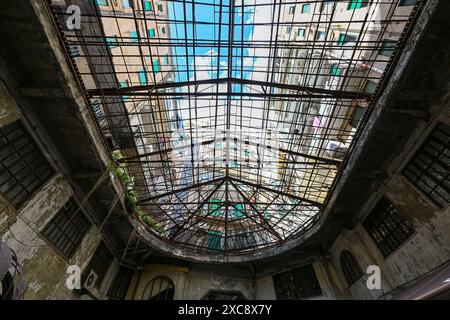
[159,288]
[350,267]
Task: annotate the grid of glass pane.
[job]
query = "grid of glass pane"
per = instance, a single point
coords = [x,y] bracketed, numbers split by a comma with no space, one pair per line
[67,228]
[429,169]
[247,102]
[23,168]
[387,227]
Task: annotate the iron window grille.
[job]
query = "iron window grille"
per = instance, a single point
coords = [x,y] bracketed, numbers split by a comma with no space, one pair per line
[67,228]
[429,169]
[23,167]
[300,283]
[386,226]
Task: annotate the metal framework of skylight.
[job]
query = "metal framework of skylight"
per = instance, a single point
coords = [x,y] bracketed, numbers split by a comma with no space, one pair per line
[234,118]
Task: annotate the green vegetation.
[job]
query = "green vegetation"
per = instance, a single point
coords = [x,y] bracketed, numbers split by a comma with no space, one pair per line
[150,221]
[120,170]
[130,198]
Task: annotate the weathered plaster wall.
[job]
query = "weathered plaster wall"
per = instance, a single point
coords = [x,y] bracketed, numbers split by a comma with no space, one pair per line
[194,283]
[8,108]
[190,283]
[43,268]
[426,250]
[265,289]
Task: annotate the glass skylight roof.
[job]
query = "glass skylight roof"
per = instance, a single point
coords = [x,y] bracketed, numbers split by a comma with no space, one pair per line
[233,118]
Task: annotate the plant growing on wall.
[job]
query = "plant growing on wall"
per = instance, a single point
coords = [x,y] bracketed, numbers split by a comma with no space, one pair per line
[120,170]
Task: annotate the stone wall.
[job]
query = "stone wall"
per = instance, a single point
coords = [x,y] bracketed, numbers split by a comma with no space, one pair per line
[190,283]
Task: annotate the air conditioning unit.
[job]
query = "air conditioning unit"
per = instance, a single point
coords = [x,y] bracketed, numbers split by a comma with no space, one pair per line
[89,283]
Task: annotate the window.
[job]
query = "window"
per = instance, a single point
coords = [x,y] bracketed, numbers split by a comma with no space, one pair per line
[387,48]
[67,228]
[300,283]
[99,263]
[98,110]
[124,84]
[134,36]
[163,30]
[142,77]
[305,8]
[119,287]
[370,86]
[214,207]
[407,2]
[344,38]
[357,116]
[23,168]
[159,288]
[241,241]
[350,267]
[151,33]
[266,215]
[74,50]
[160,7]
[102,2]
[128,3]
[324,4]
[291,9]
[429,169]
[214,237]
[111,42]
[356,4]
[156,66]
[166,59]
[387,227]
[335,70]
[148,6]
[238,211]
[301,32]
[320,35]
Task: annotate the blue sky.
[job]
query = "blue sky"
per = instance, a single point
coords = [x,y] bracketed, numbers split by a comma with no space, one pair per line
[206,14]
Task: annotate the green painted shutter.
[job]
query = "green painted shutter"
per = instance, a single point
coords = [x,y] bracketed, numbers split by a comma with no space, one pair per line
[214,237]
[134,36]
[214,207]
[156,66]
[102,2]
[238,212]
[142,77]
[111,41]
[148,6]
[387,48]
[124,84]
